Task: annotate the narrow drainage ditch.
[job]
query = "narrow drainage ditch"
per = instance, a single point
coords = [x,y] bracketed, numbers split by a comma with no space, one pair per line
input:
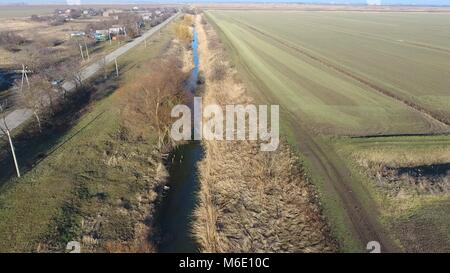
[175,213]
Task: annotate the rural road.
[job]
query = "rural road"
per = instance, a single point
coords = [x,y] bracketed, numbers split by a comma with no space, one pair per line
[19,116]
[362,223]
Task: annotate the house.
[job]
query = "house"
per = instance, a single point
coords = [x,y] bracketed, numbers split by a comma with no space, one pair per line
[147,17]
[110,12]
[101,35]
[77,34]
[117,29]
[102,31]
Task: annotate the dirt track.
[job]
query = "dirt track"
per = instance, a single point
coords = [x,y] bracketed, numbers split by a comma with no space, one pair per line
[363,224]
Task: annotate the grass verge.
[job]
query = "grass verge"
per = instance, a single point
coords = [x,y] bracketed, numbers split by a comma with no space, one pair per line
[91,184]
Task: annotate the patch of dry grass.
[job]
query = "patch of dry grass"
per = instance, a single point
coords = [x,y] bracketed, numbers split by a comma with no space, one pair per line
[381,158]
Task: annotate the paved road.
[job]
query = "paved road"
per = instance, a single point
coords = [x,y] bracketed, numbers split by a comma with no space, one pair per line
[19,116]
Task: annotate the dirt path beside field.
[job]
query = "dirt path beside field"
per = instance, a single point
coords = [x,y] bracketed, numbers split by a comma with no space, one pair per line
[363,224]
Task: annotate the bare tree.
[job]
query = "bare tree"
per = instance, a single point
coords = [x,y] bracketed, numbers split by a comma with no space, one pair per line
[131,23]
[151,96]
[70,70]
[4,129]
[38,98]
[104,65]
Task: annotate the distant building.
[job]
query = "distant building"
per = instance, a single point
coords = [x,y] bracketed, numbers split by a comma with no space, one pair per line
[102,31]
[147,17]
[117,29]
[101,35]
[77,34]
[111,12]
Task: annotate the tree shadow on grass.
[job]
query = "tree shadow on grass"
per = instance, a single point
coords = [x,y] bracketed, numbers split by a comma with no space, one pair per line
[32,147]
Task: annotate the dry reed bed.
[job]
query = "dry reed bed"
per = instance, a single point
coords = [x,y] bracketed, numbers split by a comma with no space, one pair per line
[250,201]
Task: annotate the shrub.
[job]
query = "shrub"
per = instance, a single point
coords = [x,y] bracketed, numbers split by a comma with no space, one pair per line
[148,101]
[184,33]
[11,41]
[218,71]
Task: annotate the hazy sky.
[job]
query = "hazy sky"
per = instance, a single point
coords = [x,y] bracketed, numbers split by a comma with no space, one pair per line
[406,2]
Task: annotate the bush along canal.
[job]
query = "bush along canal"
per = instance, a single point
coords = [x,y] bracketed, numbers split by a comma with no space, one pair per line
[180,197]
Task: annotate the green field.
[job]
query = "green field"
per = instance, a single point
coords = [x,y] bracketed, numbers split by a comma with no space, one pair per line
[340,74]
[25,11]
[348,73]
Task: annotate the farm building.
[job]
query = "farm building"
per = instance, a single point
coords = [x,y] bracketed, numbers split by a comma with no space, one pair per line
[111,12]
[147,17]
[101,36]
[77,34]
[117,29]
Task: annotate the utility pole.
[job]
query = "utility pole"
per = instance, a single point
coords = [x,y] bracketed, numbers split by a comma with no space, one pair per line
[81,51]
[6,131]
[24,76]
[87,50]
[13,152]
[117,67]
[109,34]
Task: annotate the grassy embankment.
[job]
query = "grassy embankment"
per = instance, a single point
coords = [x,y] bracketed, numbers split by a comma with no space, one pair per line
[250,201]
[319,98]
[90,183]
[333,207]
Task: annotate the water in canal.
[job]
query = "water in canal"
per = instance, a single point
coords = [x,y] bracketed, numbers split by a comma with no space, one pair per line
[179,200]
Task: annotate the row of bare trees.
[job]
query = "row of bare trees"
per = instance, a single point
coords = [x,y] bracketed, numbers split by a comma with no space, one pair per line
[183,31]
[39,89]
[45,67]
